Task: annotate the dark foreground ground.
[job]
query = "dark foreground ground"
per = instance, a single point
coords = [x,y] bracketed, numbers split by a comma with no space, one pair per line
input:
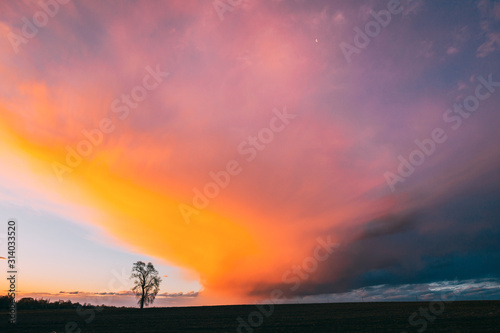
[341,317]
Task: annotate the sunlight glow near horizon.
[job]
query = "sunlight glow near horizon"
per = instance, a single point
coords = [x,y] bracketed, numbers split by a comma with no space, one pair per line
[320,175]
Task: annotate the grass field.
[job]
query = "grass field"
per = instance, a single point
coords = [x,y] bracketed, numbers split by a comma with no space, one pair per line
[474,316]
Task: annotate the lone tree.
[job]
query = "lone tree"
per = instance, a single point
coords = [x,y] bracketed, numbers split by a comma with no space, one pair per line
[146,282]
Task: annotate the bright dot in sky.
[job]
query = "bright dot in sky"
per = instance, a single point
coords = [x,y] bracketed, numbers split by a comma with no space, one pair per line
[316,40]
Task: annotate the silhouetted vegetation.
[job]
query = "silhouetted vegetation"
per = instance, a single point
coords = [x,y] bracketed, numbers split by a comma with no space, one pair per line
[146,282]
[475,316]
[34,303]
[4,302]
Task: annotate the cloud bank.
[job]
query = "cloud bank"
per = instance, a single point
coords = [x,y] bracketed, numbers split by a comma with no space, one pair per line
[131,109]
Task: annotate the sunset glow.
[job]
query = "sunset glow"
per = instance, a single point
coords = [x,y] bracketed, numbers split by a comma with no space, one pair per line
[232,146]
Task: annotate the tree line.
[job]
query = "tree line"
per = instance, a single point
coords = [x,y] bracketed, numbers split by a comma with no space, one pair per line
[34,303]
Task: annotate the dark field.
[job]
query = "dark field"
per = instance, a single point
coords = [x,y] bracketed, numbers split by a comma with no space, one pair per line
[474,316]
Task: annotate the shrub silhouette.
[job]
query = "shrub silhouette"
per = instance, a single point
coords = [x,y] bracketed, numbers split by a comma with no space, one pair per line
[29,303]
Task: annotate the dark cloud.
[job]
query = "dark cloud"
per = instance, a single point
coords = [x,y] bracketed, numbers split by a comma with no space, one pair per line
[453,237]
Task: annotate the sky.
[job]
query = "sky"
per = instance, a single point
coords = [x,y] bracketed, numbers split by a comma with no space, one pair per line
[253,150]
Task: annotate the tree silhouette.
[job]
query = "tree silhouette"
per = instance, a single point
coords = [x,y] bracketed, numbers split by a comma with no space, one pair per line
[146,282]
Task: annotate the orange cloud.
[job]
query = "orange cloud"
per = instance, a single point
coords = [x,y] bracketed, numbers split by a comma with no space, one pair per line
[222,90]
